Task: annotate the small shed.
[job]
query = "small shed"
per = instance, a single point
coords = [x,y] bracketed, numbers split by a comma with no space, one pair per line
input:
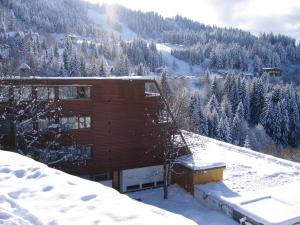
[189,172]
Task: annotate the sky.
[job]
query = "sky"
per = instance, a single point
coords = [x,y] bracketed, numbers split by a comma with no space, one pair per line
[277,16]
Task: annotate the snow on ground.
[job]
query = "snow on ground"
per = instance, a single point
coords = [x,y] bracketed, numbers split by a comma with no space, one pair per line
[126,34]
[33,194]
[182,203]
[258,185]
[181,68]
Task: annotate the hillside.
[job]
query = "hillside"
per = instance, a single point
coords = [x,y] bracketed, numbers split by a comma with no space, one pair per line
[101,30]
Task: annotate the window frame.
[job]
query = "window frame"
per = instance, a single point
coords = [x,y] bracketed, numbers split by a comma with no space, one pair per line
[50,93]
[66,124]
[18,93]
[87,122]
[76,93]
[4,93]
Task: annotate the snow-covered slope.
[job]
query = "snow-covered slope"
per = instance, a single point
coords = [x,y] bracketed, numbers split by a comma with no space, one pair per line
[32,193]
[100,19]
[174,65]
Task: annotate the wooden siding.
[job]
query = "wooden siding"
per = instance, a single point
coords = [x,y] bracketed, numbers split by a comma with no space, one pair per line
[125,131]
[187,178]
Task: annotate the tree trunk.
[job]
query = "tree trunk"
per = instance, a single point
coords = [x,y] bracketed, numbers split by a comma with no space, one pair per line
[166,179]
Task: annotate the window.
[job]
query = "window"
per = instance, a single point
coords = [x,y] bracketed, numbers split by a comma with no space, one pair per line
[4,93]
[85,122]
[133,187]
[160,183]
[83,92]
[148,185]
[72,92]
[67,92]
[22,93]
[45,93]
[85,176]
[102,177]
[44,124]
[69,123]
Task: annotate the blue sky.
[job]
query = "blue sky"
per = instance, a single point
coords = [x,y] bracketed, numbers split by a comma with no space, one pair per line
[277,16]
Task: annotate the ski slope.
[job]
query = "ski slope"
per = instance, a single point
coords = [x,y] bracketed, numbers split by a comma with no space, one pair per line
[181,68]
[100,19]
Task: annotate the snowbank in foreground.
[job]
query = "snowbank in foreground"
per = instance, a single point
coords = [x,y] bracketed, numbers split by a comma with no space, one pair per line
[32,193]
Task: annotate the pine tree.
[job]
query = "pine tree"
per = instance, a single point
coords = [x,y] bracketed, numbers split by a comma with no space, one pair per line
[165,88]
[224,131]
[102,68]
[247,143]
[257,101]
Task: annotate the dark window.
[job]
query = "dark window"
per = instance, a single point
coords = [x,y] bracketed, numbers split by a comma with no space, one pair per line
[148,185]
[102,177]
[83,92]
[133,187]
[160,183]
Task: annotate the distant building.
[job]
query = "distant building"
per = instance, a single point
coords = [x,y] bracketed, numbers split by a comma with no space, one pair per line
[272,71]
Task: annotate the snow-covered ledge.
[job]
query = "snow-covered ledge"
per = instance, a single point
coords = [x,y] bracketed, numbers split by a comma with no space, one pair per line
[194,163]
[191,170]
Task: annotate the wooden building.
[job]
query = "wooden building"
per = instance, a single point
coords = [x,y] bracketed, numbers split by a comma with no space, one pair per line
[119,120]
[272,71]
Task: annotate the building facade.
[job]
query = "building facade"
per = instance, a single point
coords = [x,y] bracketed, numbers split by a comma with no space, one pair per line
[119,121]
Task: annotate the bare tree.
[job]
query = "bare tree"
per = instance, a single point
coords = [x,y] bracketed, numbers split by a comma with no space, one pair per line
[31,125]
[172,140]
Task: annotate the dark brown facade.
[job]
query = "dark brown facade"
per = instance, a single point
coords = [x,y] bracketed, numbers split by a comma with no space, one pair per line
[124,121]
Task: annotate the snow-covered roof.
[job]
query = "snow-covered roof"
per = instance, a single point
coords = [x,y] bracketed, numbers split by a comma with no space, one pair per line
[195,163]
[246,170]
[82,78]
[261,186]
[32,193]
